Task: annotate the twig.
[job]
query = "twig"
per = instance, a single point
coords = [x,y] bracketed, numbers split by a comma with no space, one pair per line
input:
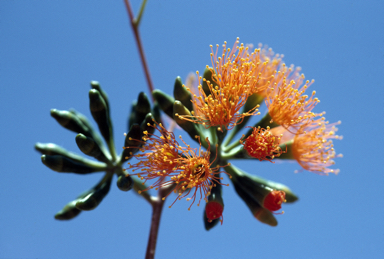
[134,25]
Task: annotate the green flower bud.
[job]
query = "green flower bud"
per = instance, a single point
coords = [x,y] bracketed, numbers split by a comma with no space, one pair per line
[132,142]
[207,76]
[60,163]
[124,183]
[188,126]
[263,215]
[145,125]
[70,121]
[100,114]
[156,112]
[182,94]
[89,147]
[68,212]
[96,85]
[92,133]
[93,199]
[165,102]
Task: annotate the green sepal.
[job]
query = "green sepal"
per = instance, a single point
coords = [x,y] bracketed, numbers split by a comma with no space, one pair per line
[260,213]
[133,145]
[207,224]
[61,163]
[188,126]
[68,212]
[69,121]
[165,102]
[89,147]
[148,120]
[182,94]
[100,114]
[93,199]
[125,183]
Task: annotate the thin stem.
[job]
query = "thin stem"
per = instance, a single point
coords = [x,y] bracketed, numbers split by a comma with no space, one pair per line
[141,11]
[157,208]
[134,26]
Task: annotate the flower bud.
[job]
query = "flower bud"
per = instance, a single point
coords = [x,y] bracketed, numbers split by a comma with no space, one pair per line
[96,85]
[68,212]
[188,126]
[260,213]
[61,163]
[147,124]
[165,102]
[93,199]
[182,94]
[100,114]
[89,147]
[209,224]
[208,76]
[142,107]
[124,183]
[215,206]
[69,121]
[132,142]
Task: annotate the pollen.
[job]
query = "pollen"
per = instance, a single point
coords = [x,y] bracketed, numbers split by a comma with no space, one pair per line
[262,144]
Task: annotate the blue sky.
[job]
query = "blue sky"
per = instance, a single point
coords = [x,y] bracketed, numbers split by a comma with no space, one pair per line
[51,50]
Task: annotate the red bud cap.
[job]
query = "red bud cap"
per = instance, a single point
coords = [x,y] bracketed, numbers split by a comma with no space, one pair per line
[273,200]
[214,210]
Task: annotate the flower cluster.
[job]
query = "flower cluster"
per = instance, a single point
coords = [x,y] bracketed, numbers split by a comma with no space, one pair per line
[231,91]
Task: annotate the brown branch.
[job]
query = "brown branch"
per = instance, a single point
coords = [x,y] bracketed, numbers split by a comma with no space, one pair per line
[157,208]
[139,46]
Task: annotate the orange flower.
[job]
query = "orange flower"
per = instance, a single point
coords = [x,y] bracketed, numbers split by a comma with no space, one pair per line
[236,74]
[286,102]
[314,151]
[188,168]
[262,144]
[196,175]
[160,155]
